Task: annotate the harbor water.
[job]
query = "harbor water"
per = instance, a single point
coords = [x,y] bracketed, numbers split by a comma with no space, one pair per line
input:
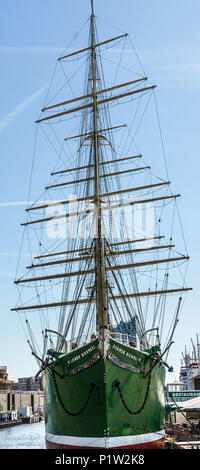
[23,436]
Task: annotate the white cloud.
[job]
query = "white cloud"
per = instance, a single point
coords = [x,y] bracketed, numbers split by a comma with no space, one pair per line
[172,67]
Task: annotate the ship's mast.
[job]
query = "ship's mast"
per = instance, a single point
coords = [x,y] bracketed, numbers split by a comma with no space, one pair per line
[93,101]
[101,291]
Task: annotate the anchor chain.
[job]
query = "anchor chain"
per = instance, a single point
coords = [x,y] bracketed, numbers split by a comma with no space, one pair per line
[92,387]
[117,385]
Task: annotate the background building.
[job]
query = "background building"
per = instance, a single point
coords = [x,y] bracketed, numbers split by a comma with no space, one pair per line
[5,384]
[26,393]
[28,383]
[128,327]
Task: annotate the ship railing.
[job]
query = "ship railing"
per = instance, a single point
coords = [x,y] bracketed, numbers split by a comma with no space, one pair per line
[78,342]
[124,338]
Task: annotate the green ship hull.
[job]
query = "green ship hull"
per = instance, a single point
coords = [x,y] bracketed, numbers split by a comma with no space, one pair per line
[116,401]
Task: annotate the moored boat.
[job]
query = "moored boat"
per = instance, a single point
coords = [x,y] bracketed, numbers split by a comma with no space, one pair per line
[101,302]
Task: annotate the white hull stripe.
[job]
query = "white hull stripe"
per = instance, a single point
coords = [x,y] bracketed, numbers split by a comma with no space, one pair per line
[105,442]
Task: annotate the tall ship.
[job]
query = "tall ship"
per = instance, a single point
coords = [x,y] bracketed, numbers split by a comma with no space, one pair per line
[102,294]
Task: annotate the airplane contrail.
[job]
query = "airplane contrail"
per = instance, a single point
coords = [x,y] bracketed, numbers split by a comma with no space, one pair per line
[6,121]
[29,49]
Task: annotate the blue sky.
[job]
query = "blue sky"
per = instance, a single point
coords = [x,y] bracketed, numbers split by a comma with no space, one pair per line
[166,36]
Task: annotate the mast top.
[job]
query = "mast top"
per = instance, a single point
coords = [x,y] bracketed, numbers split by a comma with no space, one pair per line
[92,7]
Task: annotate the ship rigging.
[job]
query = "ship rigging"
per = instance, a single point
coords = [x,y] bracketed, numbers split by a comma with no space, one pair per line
[106,274]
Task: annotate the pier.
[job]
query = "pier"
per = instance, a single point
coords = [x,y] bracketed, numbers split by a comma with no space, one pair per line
[20,402]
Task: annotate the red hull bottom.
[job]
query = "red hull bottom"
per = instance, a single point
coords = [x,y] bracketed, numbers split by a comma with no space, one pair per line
[158,444]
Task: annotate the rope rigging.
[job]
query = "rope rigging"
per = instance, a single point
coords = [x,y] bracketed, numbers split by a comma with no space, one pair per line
[75,319]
